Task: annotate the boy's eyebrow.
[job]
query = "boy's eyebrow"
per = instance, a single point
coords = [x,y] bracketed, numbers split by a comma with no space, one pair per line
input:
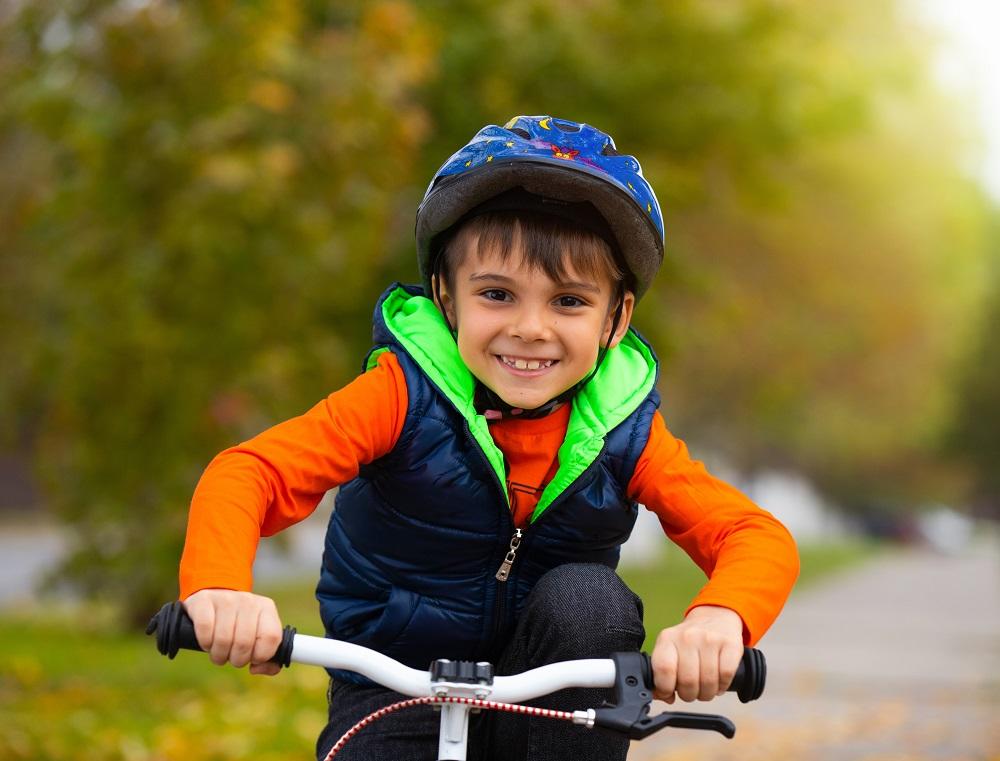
[497,277]
[577,285]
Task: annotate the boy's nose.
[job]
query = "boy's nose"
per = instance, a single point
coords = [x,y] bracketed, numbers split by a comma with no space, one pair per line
[531,324]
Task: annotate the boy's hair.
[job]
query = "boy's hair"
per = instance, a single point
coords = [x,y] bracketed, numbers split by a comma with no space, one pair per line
[547,243]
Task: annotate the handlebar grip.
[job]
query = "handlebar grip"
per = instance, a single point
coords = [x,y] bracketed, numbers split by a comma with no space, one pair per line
[175,631]
[748,682]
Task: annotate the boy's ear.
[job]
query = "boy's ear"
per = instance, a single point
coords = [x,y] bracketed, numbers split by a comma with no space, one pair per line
[443,299]
[628,304]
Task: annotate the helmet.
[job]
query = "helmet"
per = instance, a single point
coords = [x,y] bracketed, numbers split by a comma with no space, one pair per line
[549,158]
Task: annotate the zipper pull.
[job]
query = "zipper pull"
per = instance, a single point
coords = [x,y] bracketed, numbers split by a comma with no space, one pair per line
[515,542]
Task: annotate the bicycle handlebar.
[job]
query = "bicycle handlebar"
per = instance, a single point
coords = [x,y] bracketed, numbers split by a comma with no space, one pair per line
[175,631]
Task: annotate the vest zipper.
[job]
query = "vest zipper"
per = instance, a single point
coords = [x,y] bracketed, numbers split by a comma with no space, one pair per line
[515,541]
[500,601]
[503,572]
[501,576]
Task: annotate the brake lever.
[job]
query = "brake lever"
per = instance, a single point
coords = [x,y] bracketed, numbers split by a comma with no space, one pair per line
[685,720]
[629,714]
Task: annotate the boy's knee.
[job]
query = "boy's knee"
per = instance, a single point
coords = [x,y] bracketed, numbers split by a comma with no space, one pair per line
[589,608]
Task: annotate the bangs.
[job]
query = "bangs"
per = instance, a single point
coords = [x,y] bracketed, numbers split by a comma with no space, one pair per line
[545,243]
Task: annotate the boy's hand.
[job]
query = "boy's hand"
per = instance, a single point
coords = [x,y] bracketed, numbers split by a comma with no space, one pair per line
[696,659]
[238,627]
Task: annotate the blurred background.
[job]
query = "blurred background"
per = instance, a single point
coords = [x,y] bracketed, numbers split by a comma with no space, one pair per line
[201,201]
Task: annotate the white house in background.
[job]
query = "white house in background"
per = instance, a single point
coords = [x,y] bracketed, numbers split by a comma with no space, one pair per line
[794,501]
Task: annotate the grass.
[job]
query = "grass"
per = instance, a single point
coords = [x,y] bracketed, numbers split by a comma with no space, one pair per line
[90,693]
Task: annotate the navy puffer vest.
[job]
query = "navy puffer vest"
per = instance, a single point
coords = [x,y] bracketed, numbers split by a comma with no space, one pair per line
[415,541]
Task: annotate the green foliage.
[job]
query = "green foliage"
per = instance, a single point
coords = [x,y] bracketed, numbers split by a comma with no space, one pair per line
[200,202]
[974,436]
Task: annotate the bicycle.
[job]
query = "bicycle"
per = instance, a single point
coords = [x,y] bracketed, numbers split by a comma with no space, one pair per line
[460,687]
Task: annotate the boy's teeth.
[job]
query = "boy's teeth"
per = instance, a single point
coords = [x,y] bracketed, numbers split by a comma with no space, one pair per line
[527,364]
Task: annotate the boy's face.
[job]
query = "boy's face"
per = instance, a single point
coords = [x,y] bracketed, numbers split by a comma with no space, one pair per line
[524,335]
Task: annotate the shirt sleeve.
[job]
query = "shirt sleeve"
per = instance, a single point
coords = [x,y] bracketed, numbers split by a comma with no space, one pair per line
[277,478]
[749,557]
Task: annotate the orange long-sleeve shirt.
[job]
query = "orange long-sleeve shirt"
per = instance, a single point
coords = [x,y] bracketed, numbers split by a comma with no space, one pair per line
[277,478]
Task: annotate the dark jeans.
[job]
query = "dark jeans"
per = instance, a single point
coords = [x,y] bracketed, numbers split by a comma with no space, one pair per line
[574,611]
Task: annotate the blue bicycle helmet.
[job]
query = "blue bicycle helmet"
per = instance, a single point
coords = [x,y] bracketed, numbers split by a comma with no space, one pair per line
[550,158]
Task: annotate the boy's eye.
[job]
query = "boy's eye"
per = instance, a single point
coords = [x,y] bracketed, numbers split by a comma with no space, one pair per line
[569,301]
[495,294]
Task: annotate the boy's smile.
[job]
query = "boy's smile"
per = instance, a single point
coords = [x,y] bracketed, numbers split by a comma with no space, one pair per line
[527,365]
[524,335]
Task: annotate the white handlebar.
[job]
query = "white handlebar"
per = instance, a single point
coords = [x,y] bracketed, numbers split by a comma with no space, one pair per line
[331,653]
[590,672]
[334,654]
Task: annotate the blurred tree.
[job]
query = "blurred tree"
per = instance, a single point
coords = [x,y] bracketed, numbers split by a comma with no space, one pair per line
[193,245]
[974,436]
[830,314]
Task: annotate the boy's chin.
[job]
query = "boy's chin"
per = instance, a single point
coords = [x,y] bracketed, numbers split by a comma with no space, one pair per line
[515,402]
[522,401]
[525,404]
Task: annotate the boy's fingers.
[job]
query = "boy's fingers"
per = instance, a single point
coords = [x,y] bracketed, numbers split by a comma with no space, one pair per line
[729,661]
[268,635]
[203,617]
[236,627]
[665,669]
[688,673]
[244,636]
[708,661]
[222,639]
[265,669]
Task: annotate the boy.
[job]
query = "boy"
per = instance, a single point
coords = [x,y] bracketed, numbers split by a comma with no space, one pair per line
[491,459]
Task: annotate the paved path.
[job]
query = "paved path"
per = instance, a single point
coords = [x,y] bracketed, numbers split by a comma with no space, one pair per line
[898,660]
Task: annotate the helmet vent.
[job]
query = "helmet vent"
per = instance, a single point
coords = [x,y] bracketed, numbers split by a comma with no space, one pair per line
[520,132]
[609,150]
[564,127]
